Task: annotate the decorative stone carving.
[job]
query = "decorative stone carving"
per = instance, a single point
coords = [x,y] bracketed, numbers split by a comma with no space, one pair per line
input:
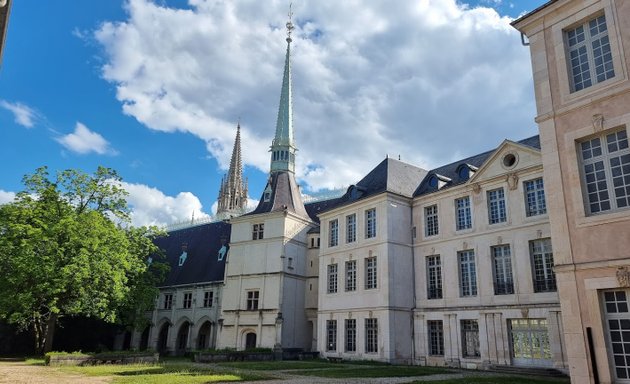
[433,250]
[598,122]
[525,312]
[476,188]
[512,181]
[465,245]
[539,233]
[623,277]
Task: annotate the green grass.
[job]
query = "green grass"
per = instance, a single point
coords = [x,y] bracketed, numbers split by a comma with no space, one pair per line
[501,380]
[168,372]
[376,371]
[279,365]
[35,361]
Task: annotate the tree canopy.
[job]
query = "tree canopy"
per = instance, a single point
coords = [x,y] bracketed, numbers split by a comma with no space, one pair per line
[66,248]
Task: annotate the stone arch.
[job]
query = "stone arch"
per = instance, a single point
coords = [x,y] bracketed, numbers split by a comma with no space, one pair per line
[162,339]
[249,338]
[183,335]
[204,334]
[144,338]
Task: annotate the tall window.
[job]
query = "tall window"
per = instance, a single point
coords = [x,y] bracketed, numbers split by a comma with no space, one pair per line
[462,213]
[351,228]
[436,337]
[351,335]
[370,273]
[332,278]
[187,303]
[351,275]
[370,223]
[590,58]
[431,221]
[208,298]
[496,206]
[434,277]
[252,300]
[502,262]
[371,335]
[333,239]
[467,273]
[470,338]
[258,231]
[168,301]
[606,172]
[535,197]
[331,335]
[542,258]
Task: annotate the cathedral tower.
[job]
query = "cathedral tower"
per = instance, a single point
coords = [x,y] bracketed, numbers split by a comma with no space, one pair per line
[232,199]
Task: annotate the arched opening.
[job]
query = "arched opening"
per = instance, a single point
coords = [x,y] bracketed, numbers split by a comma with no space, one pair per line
[311,336]
[144,338]
[204,336]
[250,340]
[182,339]
[127,341]
[163,338]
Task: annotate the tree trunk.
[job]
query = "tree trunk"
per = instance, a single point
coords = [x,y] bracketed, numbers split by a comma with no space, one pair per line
[50,332]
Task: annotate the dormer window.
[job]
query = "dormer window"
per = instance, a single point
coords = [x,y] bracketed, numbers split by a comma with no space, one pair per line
[438,181]
[465,171]
[182,258]
[267,194]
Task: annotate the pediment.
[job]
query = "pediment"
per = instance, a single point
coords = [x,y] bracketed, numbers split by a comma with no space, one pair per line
[509,157]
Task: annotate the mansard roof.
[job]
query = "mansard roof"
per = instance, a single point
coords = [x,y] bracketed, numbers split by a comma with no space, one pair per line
[202,244]
[284,195]
[390,175]
[449,175]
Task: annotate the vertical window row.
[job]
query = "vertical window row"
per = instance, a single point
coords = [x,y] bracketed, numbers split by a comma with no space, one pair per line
[431,220]
[467,273]
[462,213]
[351,228]
[496,206]
[502,263]
[332,278]
[370,223]
[535,203]
[370,273]
[334,233]
[351,275]
[542,258]
[434,277]
[371,335]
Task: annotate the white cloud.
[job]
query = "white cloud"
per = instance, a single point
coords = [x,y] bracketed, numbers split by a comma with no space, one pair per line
[83,141]
[150,206]
[6,197]
[22,114]
[430,80]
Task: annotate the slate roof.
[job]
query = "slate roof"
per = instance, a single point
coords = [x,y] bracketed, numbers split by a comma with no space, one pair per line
[449,172]
[285,194]
[203,243]
[389,176]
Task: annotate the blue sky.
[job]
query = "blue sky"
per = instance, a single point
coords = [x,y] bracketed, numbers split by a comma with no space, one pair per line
[155,89]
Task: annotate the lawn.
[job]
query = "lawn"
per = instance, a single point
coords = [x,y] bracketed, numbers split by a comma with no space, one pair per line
[366,371]
[280,365]
[165,372]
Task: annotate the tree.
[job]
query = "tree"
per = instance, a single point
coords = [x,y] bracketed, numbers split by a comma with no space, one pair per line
[66,248]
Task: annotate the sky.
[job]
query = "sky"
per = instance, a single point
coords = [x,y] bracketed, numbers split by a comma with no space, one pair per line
[155,88]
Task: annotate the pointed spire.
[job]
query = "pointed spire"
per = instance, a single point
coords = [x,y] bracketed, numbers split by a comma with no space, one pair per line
[283,147]
[232,199]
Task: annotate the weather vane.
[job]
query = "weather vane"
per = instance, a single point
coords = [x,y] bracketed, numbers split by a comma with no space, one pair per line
[290,26]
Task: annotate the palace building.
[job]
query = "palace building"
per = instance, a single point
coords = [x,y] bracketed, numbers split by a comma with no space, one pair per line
[515,257]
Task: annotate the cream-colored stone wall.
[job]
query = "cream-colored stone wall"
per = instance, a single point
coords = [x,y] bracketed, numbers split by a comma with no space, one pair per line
[491,311]
[391,301]
[589,248]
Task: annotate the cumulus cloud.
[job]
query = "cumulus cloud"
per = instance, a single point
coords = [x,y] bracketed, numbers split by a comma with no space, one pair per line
[429,80]
[22,114]
[6,197]
[83,141]
[150,206]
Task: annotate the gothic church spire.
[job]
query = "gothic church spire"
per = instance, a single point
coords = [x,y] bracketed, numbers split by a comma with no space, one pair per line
[232,199]
[283,147]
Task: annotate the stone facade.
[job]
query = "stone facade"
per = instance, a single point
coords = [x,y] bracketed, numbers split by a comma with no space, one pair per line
[580,53]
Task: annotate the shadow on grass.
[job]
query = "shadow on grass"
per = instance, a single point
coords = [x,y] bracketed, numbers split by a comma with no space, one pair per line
[376,371]
[502,380]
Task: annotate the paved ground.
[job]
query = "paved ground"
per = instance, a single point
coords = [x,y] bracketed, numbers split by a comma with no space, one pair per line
[14,372]
[21,373]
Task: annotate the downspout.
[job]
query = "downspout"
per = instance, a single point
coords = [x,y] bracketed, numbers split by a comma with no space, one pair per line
[413,281]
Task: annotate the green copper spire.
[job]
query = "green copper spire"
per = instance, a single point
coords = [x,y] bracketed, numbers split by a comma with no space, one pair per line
[283,147]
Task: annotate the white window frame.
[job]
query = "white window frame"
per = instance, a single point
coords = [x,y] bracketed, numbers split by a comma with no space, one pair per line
[435,337]
[371,335]
[583,52]
[332,278]
[350,326]
[351,276]
[333,238]
[187,302]
[253,298]
[431,221]
[497,207]
[502,269]
[351,228]
[467,273]
[544,278]
[370,223]
[371,273]
[258,231]
[535,201]
[463,213]
[596,166]
[168,301]
[434,277]
[470,338]
[331,335]
[208,299]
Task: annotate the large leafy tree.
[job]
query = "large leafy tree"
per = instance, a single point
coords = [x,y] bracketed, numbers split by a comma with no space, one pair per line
[66,248]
